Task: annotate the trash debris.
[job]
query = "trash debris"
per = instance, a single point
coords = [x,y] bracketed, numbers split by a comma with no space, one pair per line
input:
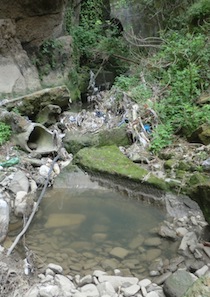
[10,162]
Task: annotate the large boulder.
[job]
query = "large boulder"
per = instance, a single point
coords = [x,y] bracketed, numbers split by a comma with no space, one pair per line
[17,74]
[109,162]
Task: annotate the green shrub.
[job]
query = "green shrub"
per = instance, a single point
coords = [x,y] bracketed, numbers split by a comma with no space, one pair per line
[5,132]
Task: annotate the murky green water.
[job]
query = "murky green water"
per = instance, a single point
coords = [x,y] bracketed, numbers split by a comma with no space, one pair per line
[84,230]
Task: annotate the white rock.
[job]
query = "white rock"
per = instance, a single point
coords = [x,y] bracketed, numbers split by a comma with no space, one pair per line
[56,169]
[49,272]
[145,282]
[106,288]
[118,281]
[152,294]
[49,291]
[144,291]
[90,290]
[87,279]
[98,273]
[64,284]
[44,170]
[56,268]
[130,291]
[202,271]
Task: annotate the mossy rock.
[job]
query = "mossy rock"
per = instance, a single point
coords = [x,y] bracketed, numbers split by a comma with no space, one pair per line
[74,141]
[171,163]
[109,160]
[201,194]
[200,287]
[184,166]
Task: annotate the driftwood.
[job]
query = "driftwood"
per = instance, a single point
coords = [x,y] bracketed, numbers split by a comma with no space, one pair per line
[34,209]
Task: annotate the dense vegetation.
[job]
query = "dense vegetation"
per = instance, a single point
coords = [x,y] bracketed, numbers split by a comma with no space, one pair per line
[169,77]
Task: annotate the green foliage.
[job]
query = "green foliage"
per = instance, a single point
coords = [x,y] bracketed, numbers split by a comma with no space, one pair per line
[199,12]
[187,74]
[5,132]
[47,57]
[161,137]
[125,83]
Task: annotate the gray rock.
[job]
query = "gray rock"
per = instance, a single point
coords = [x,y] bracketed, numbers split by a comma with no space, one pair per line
[177,284]
[85,280]
[162,278]
[4,219]
[154,241]
[189,239]
[20,182]
[119,252]
[166,232]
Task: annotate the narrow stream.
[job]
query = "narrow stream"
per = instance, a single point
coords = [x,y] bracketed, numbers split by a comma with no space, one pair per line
[84,229]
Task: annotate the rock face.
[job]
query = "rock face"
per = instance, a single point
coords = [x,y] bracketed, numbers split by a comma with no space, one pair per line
[16,71]
[24,26]
[35,20]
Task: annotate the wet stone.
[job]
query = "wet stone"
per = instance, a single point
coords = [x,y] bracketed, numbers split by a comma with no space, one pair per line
[119,252]
[154,241]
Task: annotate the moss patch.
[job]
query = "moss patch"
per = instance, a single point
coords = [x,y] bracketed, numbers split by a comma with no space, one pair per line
[109,160]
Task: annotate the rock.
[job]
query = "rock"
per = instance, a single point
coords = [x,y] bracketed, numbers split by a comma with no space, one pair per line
[136,242]
[98,237]
[181,231]
[144,282]
[24,204]
[152,294]
[131,290]
[57,220]
[189,239]
[118,281]
[152,254]
[48,115]
[56,268]
[90,290]
[200,287]
[49,291]
[16,75]
[177,284]
[202,271]
[106,288]
[4,219]
[119,252]
[162,278]
[166,232]
[44,171]
[19,182]
[85,280]
[153,241]
[64,284]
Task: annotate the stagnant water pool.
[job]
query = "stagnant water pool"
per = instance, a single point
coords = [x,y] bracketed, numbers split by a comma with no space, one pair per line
[87,229]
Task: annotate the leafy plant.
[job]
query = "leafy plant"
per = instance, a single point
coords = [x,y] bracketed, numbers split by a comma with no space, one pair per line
[161,137]
[5,132]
